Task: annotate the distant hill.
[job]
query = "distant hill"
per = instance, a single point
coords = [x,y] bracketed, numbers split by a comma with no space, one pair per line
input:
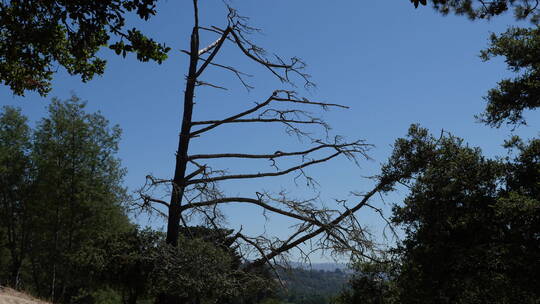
[312,286]
[321,266]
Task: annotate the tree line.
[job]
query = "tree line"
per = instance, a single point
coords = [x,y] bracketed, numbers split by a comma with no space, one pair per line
[65,234]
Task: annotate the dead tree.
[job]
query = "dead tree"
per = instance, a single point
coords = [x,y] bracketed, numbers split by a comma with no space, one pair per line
[194,189]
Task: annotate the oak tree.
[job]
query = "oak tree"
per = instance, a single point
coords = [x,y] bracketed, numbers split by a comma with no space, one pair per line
[37,36]
[471,223]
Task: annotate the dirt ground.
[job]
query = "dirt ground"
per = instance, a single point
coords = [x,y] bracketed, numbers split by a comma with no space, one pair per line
[10,296]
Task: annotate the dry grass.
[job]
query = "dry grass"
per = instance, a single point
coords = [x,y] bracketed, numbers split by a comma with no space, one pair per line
[11,296]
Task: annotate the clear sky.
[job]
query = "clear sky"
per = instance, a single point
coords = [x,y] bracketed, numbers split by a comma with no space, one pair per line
[392,64]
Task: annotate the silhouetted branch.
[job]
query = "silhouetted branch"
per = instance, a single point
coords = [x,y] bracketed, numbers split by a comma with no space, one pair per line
[274,97]
[194,190]
[266,174]
[278,154]
[204,83]
[308,236]
[217,46]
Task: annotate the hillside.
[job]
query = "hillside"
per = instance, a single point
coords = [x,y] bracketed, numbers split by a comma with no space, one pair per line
[10,296]
[311,286]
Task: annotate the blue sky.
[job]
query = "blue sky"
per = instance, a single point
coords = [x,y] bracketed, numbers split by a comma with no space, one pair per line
[393,65]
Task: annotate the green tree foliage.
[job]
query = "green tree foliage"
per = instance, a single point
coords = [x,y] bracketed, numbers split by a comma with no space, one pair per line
[520,48]
[372,283]
[118,264]
[140,266]
[481,9]
[15,182]
[448,250]
[471,223]
[61,187]
[200,271]
[36,36]
[505,103]
[65,236]
[471,226]
[126,262]
[79,187]
[309,286]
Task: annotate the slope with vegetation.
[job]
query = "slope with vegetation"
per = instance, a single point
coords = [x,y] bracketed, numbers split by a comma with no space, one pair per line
[311,286]
[11,296]
[65,235]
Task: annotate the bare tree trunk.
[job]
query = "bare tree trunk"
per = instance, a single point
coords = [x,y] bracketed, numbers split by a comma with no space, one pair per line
[173,224]
[16,262]
[37,282]
[15,271]
[132,298]
[13,238]
[55,252]
[197,191]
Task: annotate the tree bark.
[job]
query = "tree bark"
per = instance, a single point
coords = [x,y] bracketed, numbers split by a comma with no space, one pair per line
[179,182]
[173,224]
[15,272]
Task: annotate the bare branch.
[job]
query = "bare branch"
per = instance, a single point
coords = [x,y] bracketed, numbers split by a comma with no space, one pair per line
[274,155]
[147,198]
[214,29]
[208,122]
[214,52]
[195,173]
[247,112]
[147,205]
[239,43]
[254,52]
[261,251]
[236,72]
[196,196]
[305,101]
[300,230]
[203,83]
[292,97]
[266,174]
[156,181]
[274,97]
[257,202]
[306,237]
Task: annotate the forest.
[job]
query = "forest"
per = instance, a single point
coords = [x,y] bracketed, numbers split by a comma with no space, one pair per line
[205,168]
